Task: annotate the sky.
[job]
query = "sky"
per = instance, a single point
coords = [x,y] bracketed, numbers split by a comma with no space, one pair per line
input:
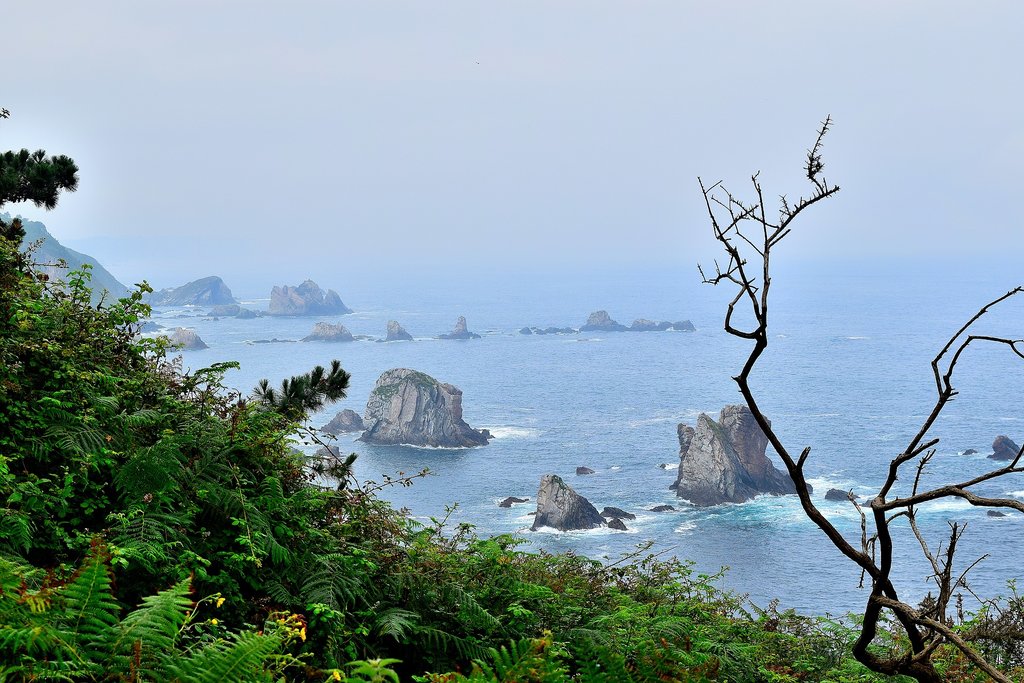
[268,142]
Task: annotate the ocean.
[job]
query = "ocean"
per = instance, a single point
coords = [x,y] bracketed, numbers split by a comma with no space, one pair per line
[847,373]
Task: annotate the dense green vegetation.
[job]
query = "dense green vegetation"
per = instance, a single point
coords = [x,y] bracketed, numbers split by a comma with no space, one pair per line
[157,526]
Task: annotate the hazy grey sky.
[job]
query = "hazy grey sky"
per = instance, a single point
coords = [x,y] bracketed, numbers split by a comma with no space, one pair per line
[280,140]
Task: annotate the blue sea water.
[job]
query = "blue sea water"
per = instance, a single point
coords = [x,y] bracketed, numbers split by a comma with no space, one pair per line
[847,373]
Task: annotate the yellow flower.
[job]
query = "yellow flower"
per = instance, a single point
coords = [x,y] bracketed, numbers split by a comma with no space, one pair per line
[336,675]
[302,634]
[214,622]
[220,601]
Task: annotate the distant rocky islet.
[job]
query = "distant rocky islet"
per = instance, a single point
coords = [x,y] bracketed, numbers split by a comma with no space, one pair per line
[601,321]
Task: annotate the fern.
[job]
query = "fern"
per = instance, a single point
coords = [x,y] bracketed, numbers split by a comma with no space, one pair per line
[150,631]
[242,659]
[89,609]
[396,623]
[329,583]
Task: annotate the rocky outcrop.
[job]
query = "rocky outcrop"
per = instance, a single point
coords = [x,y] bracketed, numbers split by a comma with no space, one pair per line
[248,314]
[186,339]
[970,451]
[306,299]
[207,291]
[995,513]
[600,321]
[584,470]
[512,500]
[396,332]
[327,332]
[839,495]
[549,330]
[1003,448]
[344,422]
[663,508]
[412,408]
[559,507]
[644,325]
[225,311]
[725,462]
[617,513]
[460,331]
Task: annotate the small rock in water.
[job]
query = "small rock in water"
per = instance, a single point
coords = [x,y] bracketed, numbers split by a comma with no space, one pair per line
[663,508]
[617,513]
[346,421]
[837,494]
[584,470]
[187,339]
[970,451]
[616,523]
[560,507]
[329,333]
[512,500]
[396,332]
[995,513]
[460,331]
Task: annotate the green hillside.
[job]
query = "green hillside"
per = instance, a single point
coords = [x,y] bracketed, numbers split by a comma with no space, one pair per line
[50,252]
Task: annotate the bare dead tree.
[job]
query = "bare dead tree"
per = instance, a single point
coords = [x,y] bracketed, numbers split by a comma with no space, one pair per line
[749,233]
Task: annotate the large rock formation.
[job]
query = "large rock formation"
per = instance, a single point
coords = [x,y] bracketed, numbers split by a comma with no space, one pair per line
[187,339]
[344,422]
[560,507]
[306,299]
[396,332]
[412,408]
[207,291]
[460,331]
[1003,448]
[329,333]
[600,321]
[725,462]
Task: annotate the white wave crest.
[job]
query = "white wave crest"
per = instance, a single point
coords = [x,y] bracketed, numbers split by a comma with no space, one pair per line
[510,432]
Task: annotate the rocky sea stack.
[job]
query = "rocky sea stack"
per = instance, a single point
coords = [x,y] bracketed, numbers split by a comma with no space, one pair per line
[327,332]
[600,321]
[306,299]
[344,422]
[207,291]
[460,331]
[187,339]
[396,332]
[1003,448]
[725,461]
[412,408]
[559,507]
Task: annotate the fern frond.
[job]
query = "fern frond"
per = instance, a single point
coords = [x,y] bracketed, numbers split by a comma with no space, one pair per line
[239,660]
[149,631]
[89,610]
[396,622]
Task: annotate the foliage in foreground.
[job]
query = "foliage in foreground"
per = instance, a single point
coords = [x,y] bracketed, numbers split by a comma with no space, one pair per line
[155,526]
